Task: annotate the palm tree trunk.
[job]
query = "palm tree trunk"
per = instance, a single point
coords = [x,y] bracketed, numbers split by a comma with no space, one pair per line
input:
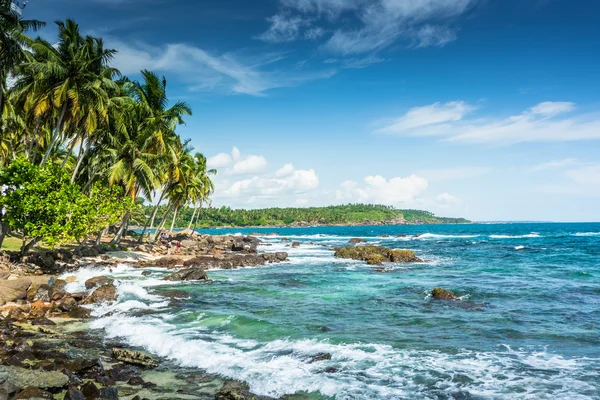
[162,223]
[174,216]
[56,134]
[69,151]
[151,218]
[122,229]
[80,159]
[192,220]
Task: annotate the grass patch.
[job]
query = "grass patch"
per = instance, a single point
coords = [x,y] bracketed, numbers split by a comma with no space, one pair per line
[12,243]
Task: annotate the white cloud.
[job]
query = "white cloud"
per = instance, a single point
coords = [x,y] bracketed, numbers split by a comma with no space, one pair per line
[541,123]
[365,26]
[286,170]
[298,182]
[249,165]
[550,108]
[284,28]
[447,198]
[227,72]
[433,114]
[557,164]
[219,161]
[377,189]
[238,164]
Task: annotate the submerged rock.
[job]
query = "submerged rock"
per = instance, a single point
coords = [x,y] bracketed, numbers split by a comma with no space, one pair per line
[190,274]
[443,294]
[134,357]
[32,392]
[357,240]
[376,255]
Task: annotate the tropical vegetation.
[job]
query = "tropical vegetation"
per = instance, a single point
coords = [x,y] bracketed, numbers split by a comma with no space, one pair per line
[82,147]
[342,214]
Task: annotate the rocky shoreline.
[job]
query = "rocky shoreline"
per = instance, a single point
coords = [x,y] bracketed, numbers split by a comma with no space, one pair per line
[47,351]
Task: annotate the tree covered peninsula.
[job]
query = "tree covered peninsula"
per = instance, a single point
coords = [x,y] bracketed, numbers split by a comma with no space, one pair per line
[350,214]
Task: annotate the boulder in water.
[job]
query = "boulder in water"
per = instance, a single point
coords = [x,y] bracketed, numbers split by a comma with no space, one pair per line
[376,255]
[443,294]
[102,294]
[357,240]
[189,274]
[98,281]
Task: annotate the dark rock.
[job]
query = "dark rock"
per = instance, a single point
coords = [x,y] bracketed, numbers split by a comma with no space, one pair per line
[98,281]
[74,394]
[281,256]
[443,294]
[32,392]
[146,273]
[320,357]
[90,390]
[295,244]
[135,381]
[149,385]
[102,294]
[65,255]
[357,240]
[43,321]
[80,313]
[79,296]
[330,370]
[74,380]
[105,380]
[66,303]
[134,357]
[376,255]
[190,274]
[233,390]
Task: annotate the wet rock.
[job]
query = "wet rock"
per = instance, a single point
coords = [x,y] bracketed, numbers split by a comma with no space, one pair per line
[32,392]
[66,304]
[74,394]
[43,321]
[98,281]
[135,381]
[357,240]
[56,288]
[146,273]
[233,390]
[103,294]
[74,380]
[190,274]
[281,256]
[320,357]
[90,390]
[79,296]
[21,377]
[295,244]
[134,357]
[123,373]
[80,313]
[443,294]
[39,309]
[376,255]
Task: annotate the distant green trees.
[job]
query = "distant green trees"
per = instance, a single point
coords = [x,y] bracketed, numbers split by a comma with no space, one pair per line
[342,214]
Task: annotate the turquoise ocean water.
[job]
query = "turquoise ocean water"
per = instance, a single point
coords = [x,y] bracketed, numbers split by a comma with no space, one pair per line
[527,325]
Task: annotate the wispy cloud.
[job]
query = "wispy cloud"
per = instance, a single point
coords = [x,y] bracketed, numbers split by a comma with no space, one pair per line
[553,165]
[368,26]
[204,71]
[544,122]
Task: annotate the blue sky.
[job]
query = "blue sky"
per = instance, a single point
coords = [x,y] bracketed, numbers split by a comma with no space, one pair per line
[487,109]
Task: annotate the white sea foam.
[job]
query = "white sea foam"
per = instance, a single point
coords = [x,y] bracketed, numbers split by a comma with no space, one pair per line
[440,236]
[530,235]
[365,371]
[587,234]
[519,247]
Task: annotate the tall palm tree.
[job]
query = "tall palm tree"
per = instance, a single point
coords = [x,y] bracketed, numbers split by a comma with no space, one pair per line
[202,185]
[13,43]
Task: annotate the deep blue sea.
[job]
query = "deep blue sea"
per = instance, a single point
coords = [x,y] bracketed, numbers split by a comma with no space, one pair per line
[527,325]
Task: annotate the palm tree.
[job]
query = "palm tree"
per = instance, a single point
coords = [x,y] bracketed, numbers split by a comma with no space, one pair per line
[13,43]
[202,185]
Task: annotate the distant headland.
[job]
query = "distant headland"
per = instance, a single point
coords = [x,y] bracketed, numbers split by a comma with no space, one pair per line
[350,215]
